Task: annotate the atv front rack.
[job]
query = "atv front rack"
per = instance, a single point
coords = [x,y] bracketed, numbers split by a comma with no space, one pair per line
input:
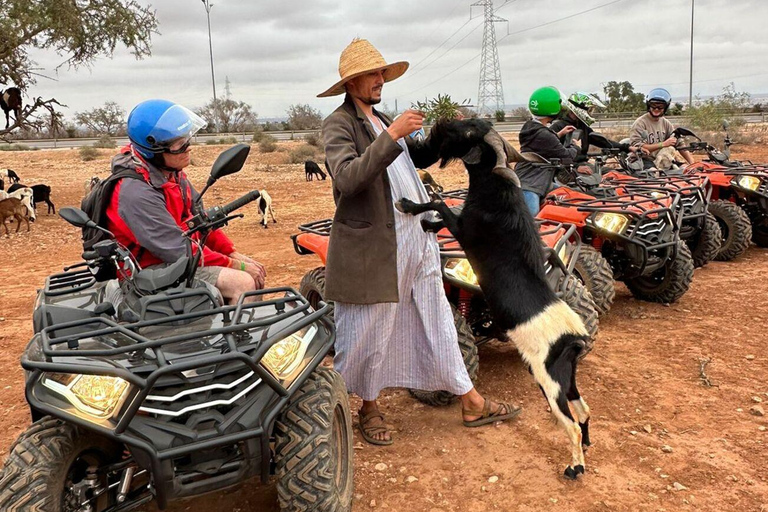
[694,191]
[239,338]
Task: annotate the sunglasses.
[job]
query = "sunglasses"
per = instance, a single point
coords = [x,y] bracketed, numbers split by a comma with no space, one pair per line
[657,106]
[181,149]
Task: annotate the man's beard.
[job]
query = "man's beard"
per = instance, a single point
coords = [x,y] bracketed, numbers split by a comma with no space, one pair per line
[370,100]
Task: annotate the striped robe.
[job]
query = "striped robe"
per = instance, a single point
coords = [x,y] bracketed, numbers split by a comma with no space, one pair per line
[411,343]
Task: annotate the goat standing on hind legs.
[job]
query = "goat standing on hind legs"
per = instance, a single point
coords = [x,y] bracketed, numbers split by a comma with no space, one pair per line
[501,241]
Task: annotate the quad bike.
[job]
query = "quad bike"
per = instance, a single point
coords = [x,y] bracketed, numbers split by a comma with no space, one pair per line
[699,228]
[740,193]
[637,232]
[474,324]
[735,193]
[170,393]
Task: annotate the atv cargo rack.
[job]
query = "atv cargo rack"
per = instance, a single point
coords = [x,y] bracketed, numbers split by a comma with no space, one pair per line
[223,395]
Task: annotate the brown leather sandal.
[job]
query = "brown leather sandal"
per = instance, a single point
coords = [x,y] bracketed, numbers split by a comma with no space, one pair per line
[368,432]
[504,412]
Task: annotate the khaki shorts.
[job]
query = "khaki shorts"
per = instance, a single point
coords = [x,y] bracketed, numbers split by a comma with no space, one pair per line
[208,274]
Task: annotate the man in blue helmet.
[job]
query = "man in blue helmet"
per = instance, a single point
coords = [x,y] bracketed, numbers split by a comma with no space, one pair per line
[652,131]
[147,213]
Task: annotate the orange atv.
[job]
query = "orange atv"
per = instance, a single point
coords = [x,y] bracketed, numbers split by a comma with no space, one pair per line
[740,191]
[631,235]
[474,324]
[699,228]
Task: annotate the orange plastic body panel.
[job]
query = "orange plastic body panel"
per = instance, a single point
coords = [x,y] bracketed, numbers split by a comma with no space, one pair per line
[318,244]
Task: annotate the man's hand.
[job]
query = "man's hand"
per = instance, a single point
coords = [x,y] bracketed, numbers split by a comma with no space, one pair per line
[254,269]
[565,131]
[242,257]
[405,124]
[671,141]
[584,169]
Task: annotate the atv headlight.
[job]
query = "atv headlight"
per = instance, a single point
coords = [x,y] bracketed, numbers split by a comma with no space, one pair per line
[285,356]
[748,182]
[459,268]
[612,222]
[96,395]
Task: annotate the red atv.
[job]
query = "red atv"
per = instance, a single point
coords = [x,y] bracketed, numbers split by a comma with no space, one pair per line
[473,320]
[633,236]
[740,192]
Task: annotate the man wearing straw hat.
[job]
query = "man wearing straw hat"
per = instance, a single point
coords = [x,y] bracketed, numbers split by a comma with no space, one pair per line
[394,325]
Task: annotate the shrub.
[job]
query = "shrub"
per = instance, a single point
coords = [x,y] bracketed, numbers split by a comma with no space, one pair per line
[224,141]
[105,141]
[17,147]
[268,144]
[302,154]
[258,134]
[88,153]
[521,113]
[500,115]
[313,139]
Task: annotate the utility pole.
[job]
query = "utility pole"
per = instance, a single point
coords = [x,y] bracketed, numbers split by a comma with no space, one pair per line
[208,6]
[690,82]
[490,94]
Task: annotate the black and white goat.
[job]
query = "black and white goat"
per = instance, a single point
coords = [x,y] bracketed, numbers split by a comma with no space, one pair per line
[311,169]
[502,243]
[10,101]
[23,194]
[41,193]
[10,175]
[265,207]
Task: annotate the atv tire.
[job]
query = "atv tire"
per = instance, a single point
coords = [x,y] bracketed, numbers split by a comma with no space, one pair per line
[592,269]
[706,245]
[580,301]
[736,229]
[668,283]
[44,458]
[312,287]
[471,363]
[313,447]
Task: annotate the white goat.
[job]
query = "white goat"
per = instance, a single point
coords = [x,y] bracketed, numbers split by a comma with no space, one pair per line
[24,195]
[265,207]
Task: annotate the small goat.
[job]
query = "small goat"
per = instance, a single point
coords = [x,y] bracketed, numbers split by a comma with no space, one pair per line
[90,183]
[501,241]
[265,207]
[10,174]
[10,100]
[430,184]
[26,196]
[311,169]
[12,208]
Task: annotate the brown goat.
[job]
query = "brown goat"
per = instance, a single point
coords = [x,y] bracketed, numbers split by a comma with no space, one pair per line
[13,208]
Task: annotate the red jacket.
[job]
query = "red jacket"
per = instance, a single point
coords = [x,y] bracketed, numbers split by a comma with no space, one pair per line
[147,215]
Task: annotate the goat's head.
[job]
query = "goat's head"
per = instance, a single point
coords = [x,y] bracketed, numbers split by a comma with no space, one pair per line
[482,150]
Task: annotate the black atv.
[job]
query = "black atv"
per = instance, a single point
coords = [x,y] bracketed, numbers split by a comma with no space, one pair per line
[161,391]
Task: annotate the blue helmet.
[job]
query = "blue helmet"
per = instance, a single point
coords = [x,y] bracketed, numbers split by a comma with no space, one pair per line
[658,95]
[154,125]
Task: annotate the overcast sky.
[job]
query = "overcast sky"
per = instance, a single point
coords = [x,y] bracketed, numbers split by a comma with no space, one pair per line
[277,53]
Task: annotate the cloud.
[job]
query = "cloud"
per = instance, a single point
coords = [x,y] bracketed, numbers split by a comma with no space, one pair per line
[277,53]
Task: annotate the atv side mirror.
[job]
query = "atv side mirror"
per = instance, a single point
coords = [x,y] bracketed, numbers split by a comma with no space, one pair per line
[599,140]
[685,132]
[228,162]
[80,219]
[75,216]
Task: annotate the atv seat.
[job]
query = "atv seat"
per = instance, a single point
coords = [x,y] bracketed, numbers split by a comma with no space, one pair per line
[153,279]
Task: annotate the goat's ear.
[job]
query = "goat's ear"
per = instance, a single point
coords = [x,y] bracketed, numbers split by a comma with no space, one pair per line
[473,156]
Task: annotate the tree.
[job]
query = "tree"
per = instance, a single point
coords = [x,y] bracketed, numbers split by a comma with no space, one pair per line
[304,117]
[228,115]
[106,120]
[79,31]
[621,97]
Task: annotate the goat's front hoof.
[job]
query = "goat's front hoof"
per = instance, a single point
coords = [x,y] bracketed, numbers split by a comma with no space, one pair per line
[403,205]
[573,473]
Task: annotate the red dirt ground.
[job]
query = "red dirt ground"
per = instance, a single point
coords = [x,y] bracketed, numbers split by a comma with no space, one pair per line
[642,381]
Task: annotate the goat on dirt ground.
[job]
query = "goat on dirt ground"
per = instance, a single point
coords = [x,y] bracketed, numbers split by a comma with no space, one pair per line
[10,100]
[265,207]
[13,208]
[311,169]
[10,175]
[432,186]
[25,195]
[502,244]
[41,193]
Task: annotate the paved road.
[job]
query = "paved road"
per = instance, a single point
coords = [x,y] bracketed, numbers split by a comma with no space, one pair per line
[203,138]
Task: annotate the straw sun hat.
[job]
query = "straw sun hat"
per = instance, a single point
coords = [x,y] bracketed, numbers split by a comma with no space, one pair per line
[359,58]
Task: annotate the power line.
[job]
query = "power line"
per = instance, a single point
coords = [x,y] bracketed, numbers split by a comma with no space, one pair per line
[515,33]
[446,39]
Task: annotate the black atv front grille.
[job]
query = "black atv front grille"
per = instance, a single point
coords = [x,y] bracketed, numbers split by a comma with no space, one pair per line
[652,231]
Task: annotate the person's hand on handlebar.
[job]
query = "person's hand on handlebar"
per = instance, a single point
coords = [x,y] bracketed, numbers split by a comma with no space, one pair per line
[405,124]
[565,131]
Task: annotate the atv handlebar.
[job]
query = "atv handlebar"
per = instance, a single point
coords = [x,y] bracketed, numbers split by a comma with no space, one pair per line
[239,203]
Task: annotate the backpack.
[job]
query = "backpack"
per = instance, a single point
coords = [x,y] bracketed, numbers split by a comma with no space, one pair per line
[95,205]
